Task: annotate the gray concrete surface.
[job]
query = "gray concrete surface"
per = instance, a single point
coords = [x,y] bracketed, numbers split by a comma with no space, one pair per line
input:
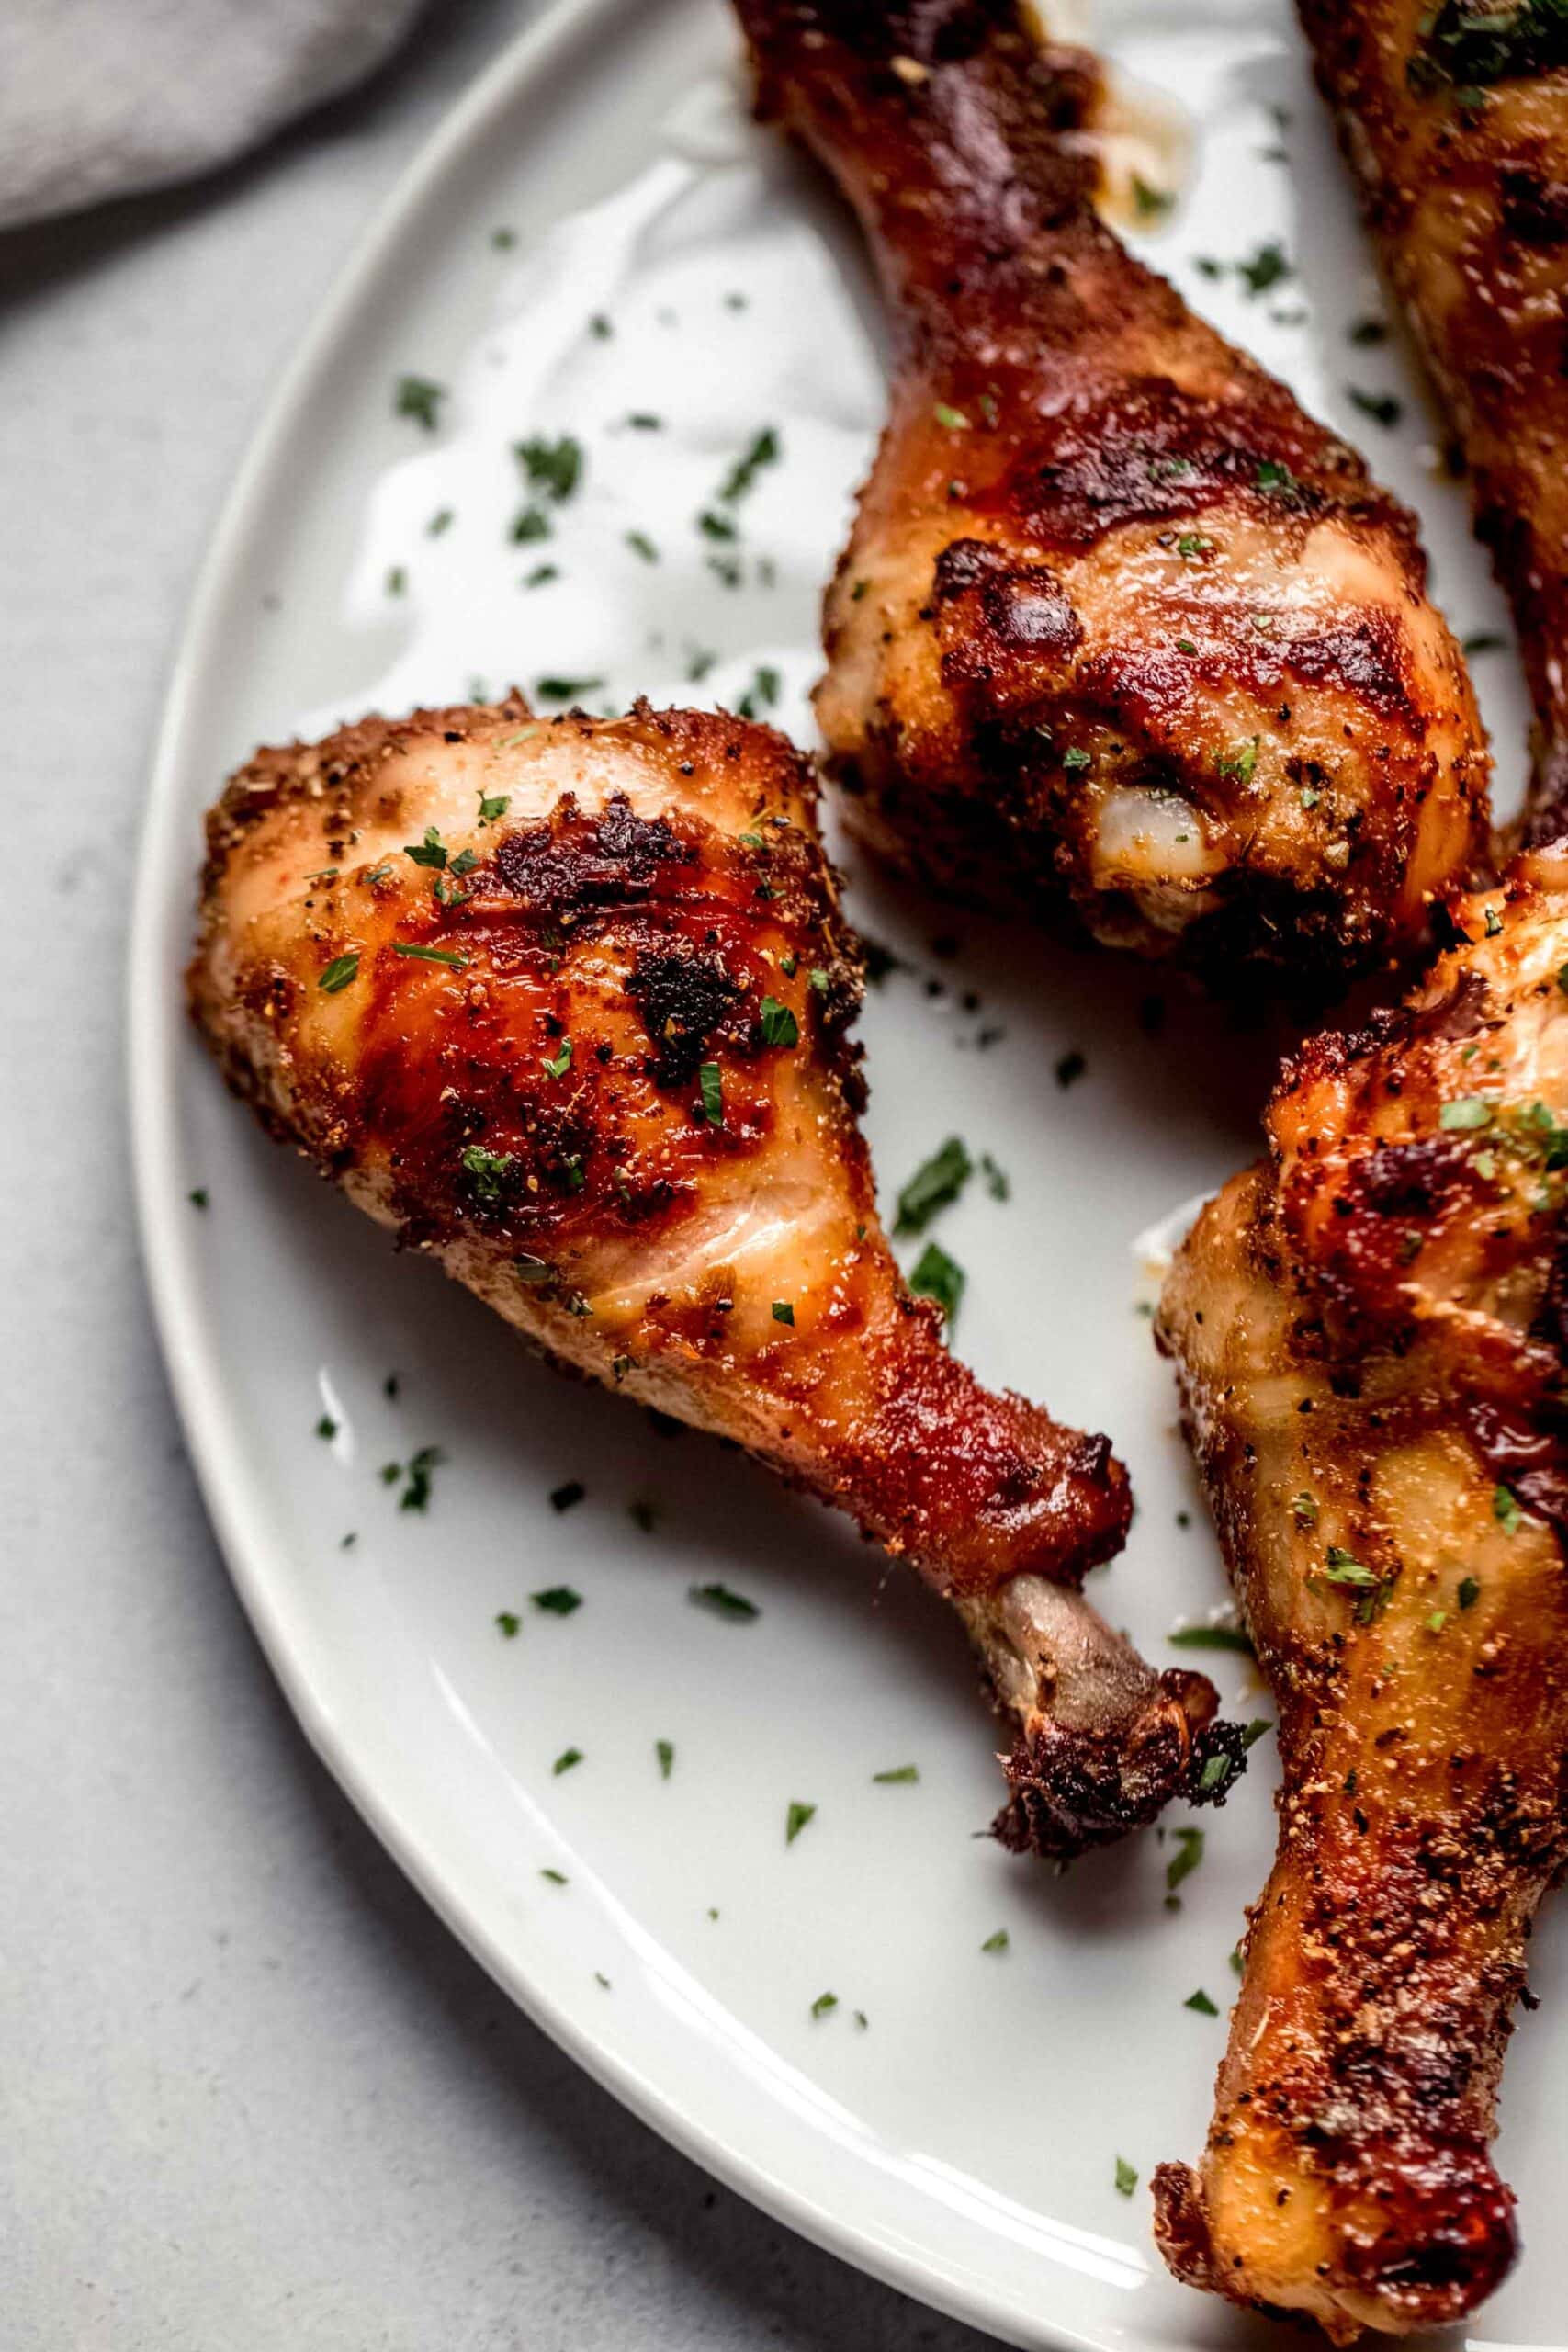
[252,2095]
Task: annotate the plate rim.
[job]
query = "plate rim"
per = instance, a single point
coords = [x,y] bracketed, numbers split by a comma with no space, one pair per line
[150,1070]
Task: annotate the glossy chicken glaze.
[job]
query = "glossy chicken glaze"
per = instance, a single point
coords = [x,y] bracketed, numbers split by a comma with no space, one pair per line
[1455,118]
[1119,625]
[1369,1328]
[568,1004]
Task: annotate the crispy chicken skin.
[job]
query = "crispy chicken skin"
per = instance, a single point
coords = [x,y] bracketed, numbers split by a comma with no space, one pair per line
[568,1004]
[1369,1328]
[1118,624]
[1455,118]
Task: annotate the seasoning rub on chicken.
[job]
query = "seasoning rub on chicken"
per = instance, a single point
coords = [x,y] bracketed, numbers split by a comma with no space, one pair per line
[1118,624]
[568,1004]
[1370,1328]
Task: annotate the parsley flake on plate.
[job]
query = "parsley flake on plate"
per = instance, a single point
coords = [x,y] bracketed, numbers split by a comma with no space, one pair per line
[937,1182]
[556,1600]
[722,1602]
[937,1276]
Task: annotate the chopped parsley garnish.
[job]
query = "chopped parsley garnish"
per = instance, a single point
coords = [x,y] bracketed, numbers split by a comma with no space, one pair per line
[1152,203]
[556,1878]
[487,1171]
[1368,331]
[1485,640]
[326,1427]
[1200,2002]
[938,1276]
[711,1080]
[531,1270]
[1190,1849]
[503,238]
[760,695]
[397,580]
[1076,761]
[997,1942]
[1210,1637]
[440,521]
[1277,479]
[935,1184]
[199,1197]
[510,1623]
[1267,267]
[1342,1569]
[556,1600]
[418,397]
[553,467]
[430,851]
[1070,1069]
[1469,1112]
[952,420]
[722,1602]
[718,527]
[996,1178]
[1303,1509]
[1126,2177]
[417,1493]
[340,972]
[541,575]
[1472,48]
[563,1498]
[1382,407]
[824,2004]
[779,1026]
[796,1819]
[1469,1591]
[783,1311]
[665,1751]
[430,954]
[566,689]
[764,451]
[493,804]
[1506,1511]
[600,327]
[640,543]
[896,1775]
[566,1759]
[560,1063]
[1437,1620]
[1240,761]
[532,523]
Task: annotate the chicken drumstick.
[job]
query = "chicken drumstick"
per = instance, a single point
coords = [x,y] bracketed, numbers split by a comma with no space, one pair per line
[567,1004]
[1455,118]
[1117,622]
[1370,1328]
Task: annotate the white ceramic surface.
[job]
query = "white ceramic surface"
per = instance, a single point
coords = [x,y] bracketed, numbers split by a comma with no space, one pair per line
[963,2141]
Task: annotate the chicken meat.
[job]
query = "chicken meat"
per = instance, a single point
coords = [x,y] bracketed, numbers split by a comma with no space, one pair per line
[1119,628]
[1455,118]
[567,1004]
[1370,1330]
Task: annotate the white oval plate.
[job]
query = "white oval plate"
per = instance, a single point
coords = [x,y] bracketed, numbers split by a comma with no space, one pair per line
[963,2141]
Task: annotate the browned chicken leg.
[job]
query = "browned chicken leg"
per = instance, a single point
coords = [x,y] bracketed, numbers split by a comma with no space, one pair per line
[568,1006]
[1117,623]
[1370,1330]
[1455,118]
